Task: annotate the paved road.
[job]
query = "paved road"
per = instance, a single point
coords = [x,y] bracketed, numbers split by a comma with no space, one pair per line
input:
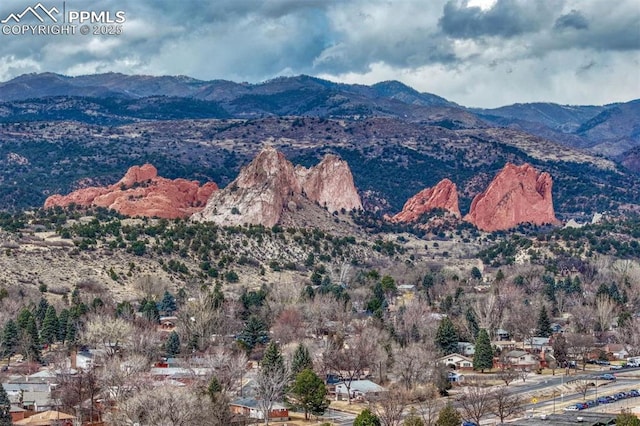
[340,418]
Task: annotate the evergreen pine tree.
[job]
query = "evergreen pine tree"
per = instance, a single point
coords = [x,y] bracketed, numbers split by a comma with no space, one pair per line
[309,393]
[10,337]
[31,348]
[150,312]
[23,318]
[214,388]
[49,332]
[253,333]
[366,418]
[544,324]
[172,346]
[63,319]
[560,349]
[71,334]
[168,303]
[627,418]
[301,360]
[41,310]
[472,323]
[272,360]
[447,337]
[449,416]
[483,356]
[5,408]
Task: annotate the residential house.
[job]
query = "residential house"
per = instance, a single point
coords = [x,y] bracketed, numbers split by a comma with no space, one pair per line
[455,377]
[17,413]
[502,334]
[457,362]
[250,407]
[539,344]
[466,348]
[168,323]
[521,360]
[48,418]
[359,389]
[616,351]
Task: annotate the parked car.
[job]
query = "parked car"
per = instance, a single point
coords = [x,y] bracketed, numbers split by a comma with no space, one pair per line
[602,362]
[582,405]
[573,407]
[607,376]
[591,403]
[469,423]
[603,400]
[616,367]
[634,393]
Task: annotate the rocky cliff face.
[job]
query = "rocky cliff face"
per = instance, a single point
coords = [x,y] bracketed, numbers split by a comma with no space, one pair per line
[444,196]
[141,192]
[270,186]
[330,184]
[518,194]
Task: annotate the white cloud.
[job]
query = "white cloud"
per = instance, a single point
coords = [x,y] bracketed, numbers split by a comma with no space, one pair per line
[485,53]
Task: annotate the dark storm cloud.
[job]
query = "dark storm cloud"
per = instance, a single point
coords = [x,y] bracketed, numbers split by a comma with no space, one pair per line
[507,18]
[447,46]
[573,19]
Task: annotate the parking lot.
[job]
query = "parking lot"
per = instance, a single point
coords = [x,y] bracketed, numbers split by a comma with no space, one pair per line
[614,402]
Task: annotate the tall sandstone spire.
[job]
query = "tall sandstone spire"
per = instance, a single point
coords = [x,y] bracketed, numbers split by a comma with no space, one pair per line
[270,185]
[518,194]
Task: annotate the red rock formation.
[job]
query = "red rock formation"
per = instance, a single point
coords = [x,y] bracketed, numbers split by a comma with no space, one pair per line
[141,192]
[270,185]
[518,194]
[444,196]
[330,184]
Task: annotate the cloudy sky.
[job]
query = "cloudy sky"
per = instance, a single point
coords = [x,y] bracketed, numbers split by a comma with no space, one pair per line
[474,52]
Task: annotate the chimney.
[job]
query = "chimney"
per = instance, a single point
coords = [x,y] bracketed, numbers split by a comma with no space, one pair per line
[74,359]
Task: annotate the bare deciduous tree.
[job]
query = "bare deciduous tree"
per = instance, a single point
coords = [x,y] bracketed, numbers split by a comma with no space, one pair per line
[489,312]
[583,318]
[151,286]
[146,341]
[270,385]
[605,311]
[630,335]
[507,372]
[475,402]
[107,333]
[122,377]
[579,346]
[506,404]
[583,386]
[199,319]
[166,406]
[425,402]
[228,367]
[78,393]
[389,405]
[289,326]
[411,364]
[349,360]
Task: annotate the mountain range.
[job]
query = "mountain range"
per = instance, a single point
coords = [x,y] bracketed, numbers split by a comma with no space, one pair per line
[396,140]
[610,130]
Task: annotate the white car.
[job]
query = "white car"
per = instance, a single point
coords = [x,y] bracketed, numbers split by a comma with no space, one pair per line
[571,408]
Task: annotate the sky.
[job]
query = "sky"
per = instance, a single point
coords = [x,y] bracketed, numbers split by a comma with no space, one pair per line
[481,53]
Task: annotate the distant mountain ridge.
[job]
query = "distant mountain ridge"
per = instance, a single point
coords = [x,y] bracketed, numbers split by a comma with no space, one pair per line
[32,86]
[112,98]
